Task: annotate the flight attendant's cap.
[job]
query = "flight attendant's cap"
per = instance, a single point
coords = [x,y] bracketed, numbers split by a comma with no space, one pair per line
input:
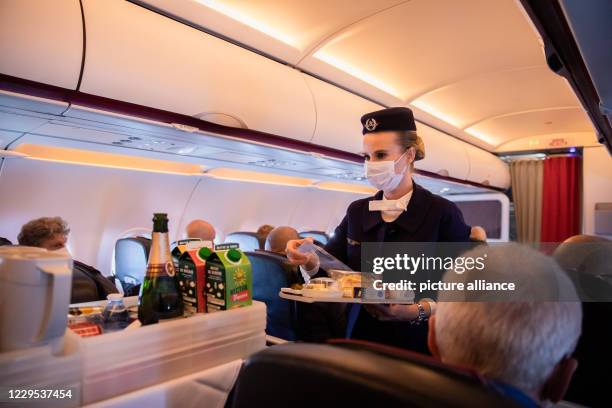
[391,119]
[396,120]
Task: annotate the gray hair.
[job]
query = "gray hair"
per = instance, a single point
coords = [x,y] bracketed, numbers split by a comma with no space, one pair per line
[36,231]
[518,342]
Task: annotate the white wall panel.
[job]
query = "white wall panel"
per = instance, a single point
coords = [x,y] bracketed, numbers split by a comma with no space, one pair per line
[99,203]
[232,206]
[597,184]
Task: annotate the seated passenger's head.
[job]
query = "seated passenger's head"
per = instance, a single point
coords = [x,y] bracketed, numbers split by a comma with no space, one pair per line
[200,229]
[586,259]
[262,234]
[278,238]
[50,233]
[478,233]
[524,344]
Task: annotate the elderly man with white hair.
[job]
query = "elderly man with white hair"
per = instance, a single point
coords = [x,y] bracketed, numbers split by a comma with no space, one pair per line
[524,346]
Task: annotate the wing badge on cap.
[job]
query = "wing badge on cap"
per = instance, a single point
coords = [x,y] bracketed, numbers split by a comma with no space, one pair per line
[371,124]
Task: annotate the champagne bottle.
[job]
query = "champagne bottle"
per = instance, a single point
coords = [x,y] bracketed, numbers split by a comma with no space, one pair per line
[160,296]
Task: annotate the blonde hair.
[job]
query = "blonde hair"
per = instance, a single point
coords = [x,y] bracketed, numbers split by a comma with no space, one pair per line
[409,138]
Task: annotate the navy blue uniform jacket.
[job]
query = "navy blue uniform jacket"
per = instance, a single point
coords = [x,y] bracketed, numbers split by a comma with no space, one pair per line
[428,218]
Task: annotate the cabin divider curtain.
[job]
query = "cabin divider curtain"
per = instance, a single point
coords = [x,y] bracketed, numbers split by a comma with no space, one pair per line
[561,198]
[527,181]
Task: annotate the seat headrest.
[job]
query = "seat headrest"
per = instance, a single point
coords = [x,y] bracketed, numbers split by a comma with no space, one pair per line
[247,241]
[131,255]
[300,374]
[320,236]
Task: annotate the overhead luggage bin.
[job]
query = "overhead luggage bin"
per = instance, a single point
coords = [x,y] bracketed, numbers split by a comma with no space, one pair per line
[42,43]
[444,155]
[487,169]
[138,56]
[338,115]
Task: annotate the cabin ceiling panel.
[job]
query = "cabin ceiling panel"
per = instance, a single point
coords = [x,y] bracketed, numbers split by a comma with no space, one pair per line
[422,45]
[532,123]
[462,64]
[286,29]
[470,101]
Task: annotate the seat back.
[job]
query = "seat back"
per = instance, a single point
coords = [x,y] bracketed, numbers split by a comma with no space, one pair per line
[247,240]
[302,374]
[131,256]
[271,272]
[320,236]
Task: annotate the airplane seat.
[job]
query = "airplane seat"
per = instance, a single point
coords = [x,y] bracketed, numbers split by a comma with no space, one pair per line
[586,259]
[320,236]
[247,240]
[271,272]
[131,256]
[357,373]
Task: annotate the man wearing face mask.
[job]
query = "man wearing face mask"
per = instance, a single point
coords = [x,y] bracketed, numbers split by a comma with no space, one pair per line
[51,233]
[401,211]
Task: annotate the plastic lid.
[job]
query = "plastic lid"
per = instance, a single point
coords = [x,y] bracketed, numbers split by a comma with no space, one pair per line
[114,297]
[234,255]
[204,252]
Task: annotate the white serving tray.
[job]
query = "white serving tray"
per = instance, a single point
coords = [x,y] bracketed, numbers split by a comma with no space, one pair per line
[295,294]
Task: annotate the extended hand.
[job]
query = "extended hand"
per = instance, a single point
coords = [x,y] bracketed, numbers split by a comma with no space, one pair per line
[296,257]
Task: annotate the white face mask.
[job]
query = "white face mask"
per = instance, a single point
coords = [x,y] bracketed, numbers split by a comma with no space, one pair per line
[382,175]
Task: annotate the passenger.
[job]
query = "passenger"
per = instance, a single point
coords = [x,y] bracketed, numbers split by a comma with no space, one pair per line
[262,234]
[315,322]
[277,239]
[4,241]
[525,346]
[478,234]
[201,229]
[51,233]
[587,260]
[401,211]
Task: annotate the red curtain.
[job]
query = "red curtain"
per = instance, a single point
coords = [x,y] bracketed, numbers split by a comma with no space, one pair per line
[561,198]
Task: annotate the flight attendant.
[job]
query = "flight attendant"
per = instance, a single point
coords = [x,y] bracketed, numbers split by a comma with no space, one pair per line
[401,211]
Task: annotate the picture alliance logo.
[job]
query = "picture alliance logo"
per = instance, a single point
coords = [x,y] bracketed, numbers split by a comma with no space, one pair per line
[412,264]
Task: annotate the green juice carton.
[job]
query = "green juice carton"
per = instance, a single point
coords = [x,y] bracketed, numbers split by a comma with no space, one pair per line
[191,274]
[229,280]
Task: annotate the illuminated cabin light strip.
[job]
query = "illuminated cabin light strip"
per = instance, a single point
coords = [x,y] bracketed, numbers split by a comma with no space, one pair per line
[108,166]
[235,14]
[482,136]
[435,112]
[357,73]
[105,160]
[257,177]
[124,162]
